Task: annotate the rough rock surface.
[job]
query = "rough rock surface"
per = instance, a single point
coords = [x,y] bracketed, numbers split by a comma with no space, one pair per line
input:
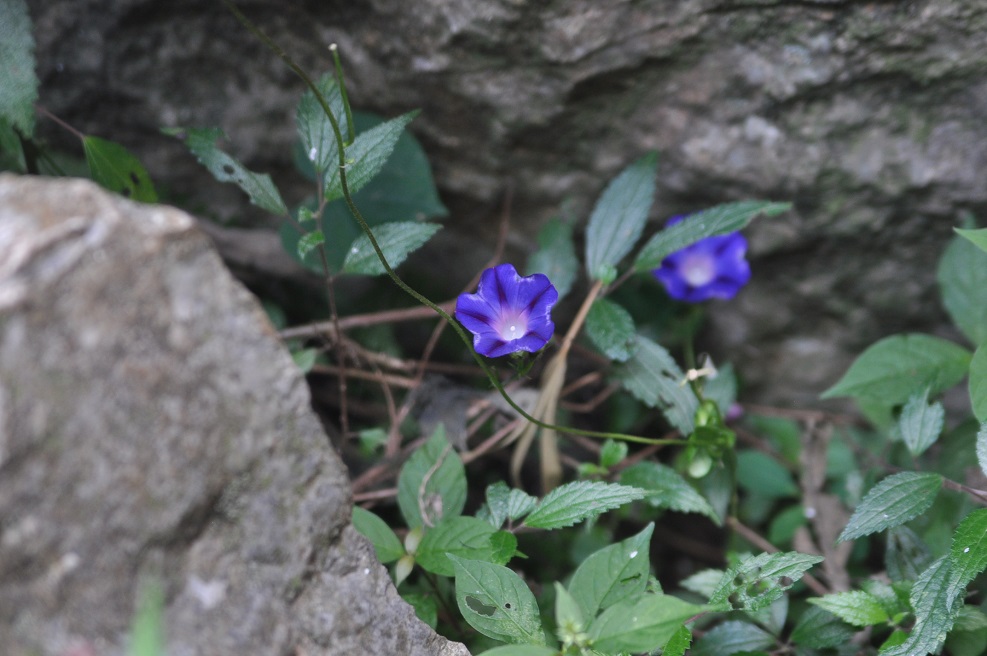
[152,426]
[868,115]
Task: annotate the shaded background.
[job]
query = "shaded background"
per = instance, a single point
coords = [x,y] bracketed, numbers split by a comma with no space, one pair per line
[868,116]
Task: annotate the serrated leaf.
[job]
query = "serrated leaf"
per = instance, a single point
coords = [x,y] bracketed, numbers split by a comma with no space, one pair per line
[756,582]
[920,423]
[504,503]
[642,625]
[667,489]
[936,599]
[976,237]
[496,602]
[258,186]
[521,650]
[962,276]
[396,241]
[720,220]
[613,574]
[611,329]
[619,216]
[366,156]
[678,643]
[310,242]
[113,167]
[855,607]
[982,447]
[653,377]
[978,383]
[318,141]
[17,75]
[968,552]
[820,629]
[432,483]
[612,453]
[732,637]
[895,500]
[759,473]
[578,501]
[466,537]
[556,256]
[905,554]
[386,543]
[894,368]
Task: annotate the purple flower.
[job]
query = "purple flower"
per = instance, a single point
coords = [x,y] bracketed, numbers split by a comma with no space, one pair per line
[508,313]
[710,268]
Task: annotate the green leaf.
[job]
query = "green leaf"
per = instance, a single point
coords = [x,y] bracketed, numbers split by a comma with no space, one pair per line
[578,501]
[905,554]
[896,367]
[761,474]
[613,574]
[366,156]
[396,241]
[425,607]
[653,377]
[719,220]
[976,237]
[318,141]
[17,77]
[505,503]
[619,216]
[968,552]
[732,637]
[920,423]
[936,599]
[114,168]
[757,581]
[667,489]
[386,543]
[496,602]
[258,186]
[521,650]
[982,447]
[310,242]
[432,483]
[895,500]
[820,629]
[678,643]
[612,453]
[11,149]
[556,256]
[962,278]
[147,634]
[641,625]
[305,358]
[978,383]
[466,537]
[722,388]
[856,607]
[611,329]
[568,616]
[704,582]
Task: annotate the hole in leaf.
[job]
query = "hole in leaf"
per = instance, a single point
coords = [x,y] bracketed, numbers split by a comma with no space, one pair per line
[479,607]
[136,180]
[508,606]
[125,192]
[228,169]
[785,581]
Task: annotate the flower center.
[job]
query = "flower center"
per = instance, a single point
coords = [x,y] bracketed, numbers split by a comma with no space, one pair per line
[699,269]
[512,326]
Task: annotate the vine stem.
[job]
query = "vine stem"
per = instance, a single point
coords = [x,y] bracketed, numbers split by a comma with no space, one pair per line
[365,228]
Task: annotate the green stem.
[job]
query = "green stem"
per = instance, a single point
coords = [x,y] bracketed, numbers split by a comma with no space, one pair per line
[348,198]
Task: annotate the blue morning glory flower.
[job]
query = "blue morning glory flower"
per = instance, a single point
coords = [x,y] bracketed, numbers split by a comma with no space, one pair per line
[714,267]
[508,313]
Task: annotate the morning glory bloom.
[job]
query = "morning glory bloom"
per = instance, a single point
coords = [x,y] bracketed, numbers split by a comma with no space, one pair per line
[508,313]
[710,268]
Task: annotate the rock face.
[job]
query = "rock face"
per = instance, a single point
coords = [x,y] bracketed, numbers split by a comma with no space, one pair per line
[152,427]
[867,115]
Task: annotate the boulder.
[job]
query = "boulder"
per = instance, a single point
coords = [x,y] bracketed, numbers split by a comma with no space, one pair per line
[867,115]
[154,429]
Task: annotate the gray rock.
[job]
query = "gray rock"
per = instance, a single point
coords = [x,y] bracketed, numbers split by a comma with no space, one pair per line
[152,426]
[867,115]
